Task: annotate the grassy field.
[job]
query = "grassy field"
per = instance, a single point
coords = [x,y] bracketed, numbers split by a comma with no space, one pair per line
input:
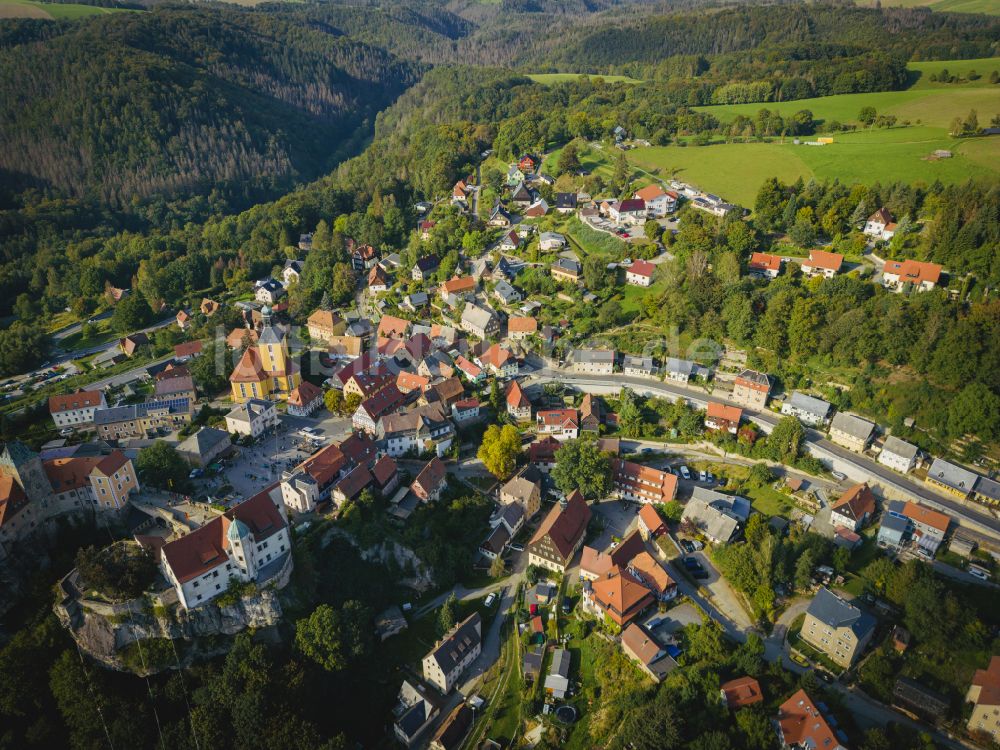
[932,106]
[943,6]
[737,170]
[961,68]
[549,78]
[51,11]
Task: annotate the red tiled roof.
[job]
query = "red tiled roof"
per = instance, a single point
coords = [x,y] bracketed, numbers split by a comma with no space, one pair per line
[803,725]
[640,643]
[384,470]
[650,192]
[645,480]
[496,356]
[409,381]
[543,450]
[391,327]
[459,285]
[515,396]
[565,526]
[249,369]
[765,262]
[12,498]
[111,463]
[642,268]
[187,348]
[235,338]
[522,325]
[914,271]
[743,691]
[356,480]
[652,573]
[623,595]
[988,680]
[305,394]
[631,204]
[649,516]
[431,476]
[723,412]
[469,368]
[78,400]
[69,473]
[924,515]
[824,259]
[325,464]
[855,502]
[565,418]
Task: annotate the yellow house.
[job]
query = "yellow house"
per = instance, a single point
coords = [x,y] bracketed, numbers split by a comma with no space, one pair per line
[265,370]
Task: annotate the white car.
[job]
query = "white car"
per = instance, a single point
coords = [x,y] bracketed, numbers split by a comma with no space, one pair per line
[309,432]
[685,473]
[981,573]
[490,599]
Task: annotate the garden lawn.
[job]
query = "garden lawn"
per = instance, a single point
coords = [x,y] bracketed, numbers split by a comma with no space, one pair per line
[632,296]
[770,502]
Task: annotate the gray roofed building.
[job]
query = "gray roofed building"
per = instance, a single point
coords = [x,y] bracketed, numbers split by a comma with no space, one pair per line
[390,622]
[851,431]
[807,409]
[898,454]
[454,653]
[557,681]
[600,356]
[944,474]
[496,543]
[915,698]
[511,515]
[533,663]
[987,491]
[205,446]
[637,366]
[713,516]
[893,531]
[506,293]
[733,504]
[479,321]
[835,612]
[678,369]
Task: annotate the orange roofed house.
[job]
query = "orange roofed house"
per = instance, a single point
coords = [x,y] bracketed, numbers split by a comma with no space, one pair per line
[743,691]
[249,542]
[765,264]
[76,410]
[106,481]
[642,484]
[560,534]
[984,694]
[723,418]
[822,263]
[801,725]
[265,370]
[920,275]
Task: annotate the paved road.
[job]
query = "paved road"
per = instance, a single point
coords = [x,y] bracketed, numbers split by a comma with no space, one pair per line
[988,525]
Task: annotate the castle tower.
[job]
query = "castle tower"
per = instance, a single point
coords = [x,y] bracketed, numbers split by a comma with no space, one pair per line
[242,546]
[25,466]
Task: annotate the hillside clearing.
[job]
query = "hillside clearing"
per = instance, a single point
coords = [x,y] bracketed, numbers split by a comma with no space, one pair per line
[961,68]
[548,79]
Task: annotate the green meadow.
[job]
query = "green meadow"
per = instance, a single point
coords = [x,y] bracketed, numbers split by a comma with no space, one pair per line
[943,6]
[548,79]
[52,11]
[961,68]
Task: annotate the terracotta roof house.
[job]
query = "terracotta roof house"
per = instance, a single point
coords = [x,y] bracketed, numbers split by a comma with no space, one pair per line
[822,263]
[560,534]
[76,409]
[187,350]
[765,264]
[183,319]
[542,453]
[984,694]
[722,417]
[640,273]
[518,405]
[640,646]
[305,399]
[520,328]
[459,286]
[237,336]
[473,372]
[131,343]
[653,576]
[922,276]
[386,475]
[595,564]
[621,597]
[650,523]
[390,327]
[743,691]
[801,725]
[499,361]
[562,424]
[431,481]
[642,484]
[854,508]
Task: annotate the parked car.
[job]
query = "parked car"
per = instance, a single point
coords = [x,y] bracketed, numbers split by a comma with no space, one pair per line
[691,563]
[517,547]
[686,545]
[838,475]
[685,473]
[703,476]
[981,573]
[700,574]
[490,599]
[695,544]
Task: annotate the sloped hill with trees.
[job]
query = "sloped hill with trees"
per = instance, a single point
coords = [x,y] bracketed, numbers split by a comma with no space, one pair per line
[175,102]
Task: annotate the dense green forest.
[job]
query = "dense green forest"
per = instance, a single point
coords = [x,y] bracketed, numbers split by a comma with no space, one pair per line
[125,107]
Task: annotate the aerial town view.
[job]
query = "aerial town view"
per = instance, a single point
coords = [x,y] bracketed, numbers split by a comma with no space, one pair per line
[500,374]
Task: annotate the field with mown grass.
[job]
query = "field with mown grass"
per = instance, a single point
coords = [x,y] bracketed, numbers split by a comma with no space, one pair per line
[943,6]
[961,68]
[51,11]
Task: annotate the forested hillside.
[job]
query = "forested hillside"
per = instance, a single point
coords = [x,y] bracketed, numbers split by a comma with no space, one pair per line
[173,102]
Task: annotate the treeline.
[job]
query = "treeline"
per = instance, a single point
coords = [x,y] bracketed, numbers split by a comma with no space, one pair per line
[174,101]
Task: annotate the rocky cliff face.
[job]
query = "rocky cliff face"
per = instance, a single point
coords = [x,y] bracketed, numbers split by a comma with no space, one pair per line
[404,557]
[105,634]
